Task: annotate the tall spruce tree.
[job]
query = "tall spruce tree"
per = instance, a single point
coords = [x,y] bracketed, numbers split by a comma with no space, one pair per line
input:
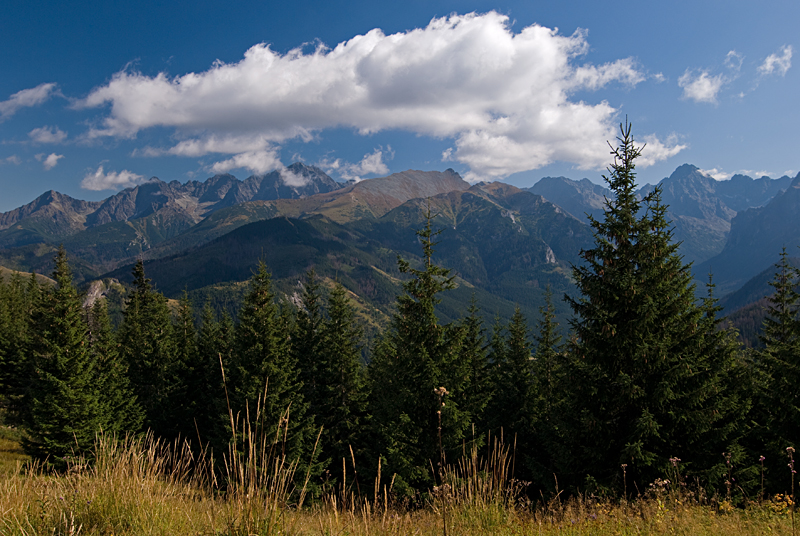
[64,398]
[416,356]
[640,346]
[147,345]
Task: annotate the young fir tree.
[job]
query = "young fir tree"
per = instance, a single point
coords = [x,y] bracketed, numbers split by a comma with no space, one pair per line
[147,345]
[265,393]
[119,407]
[416,357]
[640,345]
[64,399]
[341,400]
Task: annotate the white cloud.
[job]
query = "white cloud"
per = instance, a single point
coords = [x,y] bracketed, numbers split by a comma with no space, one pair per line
[656,150]
[13,159]
[505,98]
[100,180]
[47,134]
[25,98]
[49,161]
[291,178]
[371,164]
[775,63]
[701,87]
[716,174]
[258,161]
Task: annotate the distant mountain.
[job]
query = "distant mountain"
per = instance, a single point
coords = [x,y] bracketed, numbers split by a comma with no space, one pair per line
[51,214]
[370,199]
[756,238]
[174,206]
[576,197]
[100,234]
[504,244]
[294,182]
[701,208]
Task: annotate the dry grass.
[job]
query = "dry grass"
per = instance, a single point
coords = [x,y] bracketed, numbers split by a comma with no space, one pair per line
[140,486]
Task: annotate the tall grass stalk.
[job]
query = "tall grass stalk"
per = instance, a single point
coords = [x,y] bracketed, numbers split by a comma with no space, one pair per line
[141,486]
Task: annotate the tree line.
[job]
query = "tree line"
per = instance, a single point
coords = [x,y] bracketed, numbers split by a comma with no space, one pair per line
[648,382]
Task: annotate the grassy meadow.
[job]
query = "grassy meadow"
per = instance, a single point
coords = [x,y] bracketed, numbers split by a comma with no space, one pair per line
[141,487]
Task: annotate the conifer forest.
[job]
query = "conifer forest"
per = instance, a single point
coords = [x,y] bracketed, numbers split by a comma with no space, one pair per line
[645,386]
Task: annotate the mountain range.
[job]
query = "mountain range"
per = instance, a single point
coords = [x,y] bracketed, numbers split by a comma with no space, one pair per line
[505,244]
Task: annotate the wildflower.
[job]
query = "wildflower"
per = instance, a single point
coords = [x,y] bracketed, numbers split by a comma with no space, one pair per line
[761,459]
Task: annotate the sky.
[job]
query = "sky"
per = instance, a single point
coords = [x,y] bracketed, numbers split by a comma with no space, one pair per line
[96,96]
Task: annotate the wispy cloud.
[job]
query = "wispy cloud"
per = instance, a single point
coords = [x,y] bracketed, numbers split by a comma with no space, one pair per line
[504,98]
[47,134]
[25,99]
[777,63]
[100,180]
[49,161]
[13,159]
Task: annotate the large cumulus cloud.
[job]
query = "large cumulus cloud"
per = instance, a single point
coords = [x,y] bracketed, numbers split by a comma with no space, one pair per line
[507,100]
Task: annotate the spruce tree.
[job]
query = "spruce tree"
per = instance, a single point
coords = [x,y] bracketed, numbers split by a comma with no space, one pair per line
[147,345]
[546,399]
[779,365]
[512,376]
[640,346]
[207,391]
[415,358]
[478,382]
[121,412]
[18,300]
[341,401]
[264,385]
[307,343]
[183,391]
[64,398]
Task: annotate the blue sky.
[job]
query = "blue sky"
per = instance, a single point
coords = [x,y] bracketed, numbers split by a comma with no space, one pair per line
[96,96]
